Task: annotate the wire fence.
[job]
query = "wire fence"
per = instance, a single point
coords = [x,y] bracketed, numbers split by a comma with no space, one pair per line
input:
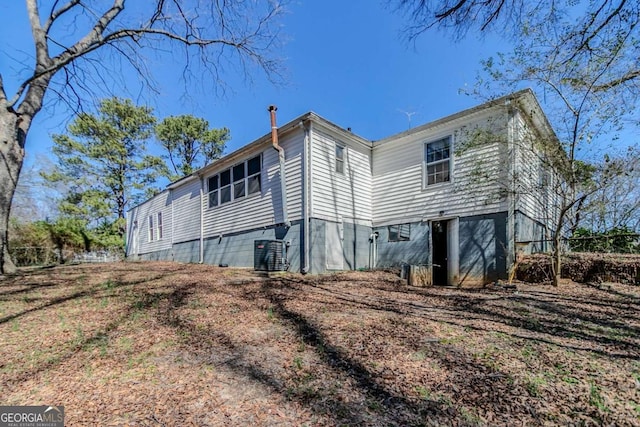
[624,243]
[27,256]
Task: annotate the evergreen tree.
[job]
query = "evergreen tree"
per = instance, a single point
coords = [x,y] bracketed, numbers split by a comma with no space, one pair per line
[189,143]
[103,161]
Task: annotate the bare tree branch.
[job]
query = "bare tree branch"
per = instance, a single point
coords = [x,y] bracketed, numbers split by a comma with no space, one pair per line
[631,75]
[245,42]
[55,14]
[39,36]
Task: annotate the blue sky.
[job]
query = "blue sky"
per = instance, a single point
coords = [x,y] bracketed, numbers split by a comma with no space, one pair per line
[345,60]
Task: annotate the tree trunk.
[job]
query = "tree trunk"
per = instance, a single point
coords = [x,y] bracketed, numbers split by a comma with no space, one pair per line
[556,262]
[11,158]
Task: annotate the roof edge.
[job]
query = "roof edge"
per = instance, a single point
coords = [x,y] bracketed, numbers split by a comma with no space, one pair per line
[503,100]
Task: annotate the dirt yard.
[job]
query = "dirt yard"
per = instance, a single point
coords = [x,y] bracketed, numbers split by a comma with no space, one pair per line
[164,344]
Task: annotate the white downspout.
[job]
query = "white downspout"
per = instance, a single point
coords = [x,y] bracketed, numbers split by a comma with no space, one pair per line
[307,199]
[172,223]
[201,261]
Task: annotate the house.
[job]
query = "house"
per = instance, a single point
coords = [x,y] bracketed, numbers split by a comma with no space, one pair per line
[457,195]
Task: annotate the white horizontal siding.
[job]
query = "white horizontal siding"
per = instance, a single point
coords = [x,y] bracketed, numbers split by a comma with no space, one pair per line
[265,208]
[478,181]
[186,211]
[535,181]
[340,195]
[140,218]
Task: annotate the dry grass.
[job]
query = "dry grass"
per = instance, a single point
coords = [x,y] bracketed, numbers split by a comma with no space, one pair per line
[171,344]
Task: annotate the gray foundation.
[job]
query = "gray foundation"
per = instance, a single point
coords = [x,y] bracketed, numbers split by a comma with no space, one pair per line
[187,251]
[415,251]
[355,246]
[483,248]
[531,233]
[236,250]
[163,255]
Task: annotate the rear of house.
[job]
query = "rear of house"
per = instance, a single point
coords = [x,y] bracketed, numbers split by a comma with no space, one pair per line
[445,195]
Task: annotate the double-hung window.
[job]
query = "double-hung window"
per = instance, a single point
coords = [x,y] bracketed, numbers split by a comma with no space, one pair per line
[254,167]
[225,186]
[151,229]
[236,182]
[239,184]
[339,158]
[159,226]
[437,159]
[214,184]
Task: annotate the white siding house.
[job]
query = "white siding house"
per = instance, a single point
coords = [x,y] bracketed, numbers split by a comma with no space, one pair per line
[454,195]
[149,226]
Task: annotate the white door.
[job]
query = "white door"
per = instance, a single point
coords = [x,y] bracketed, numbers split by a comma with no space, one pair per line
[335,253]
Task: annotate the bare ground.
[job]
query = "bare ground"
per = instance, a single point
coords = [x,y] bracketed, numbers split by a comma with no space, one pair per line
[156,344]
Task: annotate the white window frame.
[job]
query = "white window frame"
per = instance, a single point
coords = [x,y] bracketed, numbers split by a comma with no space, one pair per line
[255,175]
[239,183]
[224,188]
[212,194]
[159,226]
[343,161]
[151,228]
[215,194]
[426,164]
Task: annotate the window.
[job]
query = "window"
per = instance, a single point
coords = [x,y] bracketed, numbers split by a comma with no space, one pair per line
[225,186]
[437,158]
[159,225]
[253,175]
[151,230]
[238,181]
[400,233]
[339,158]
[213,190]
[235,183]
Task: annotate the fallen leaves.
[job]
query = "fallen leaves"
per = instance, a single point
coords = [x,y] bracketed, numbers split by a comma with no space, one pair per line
[173,344]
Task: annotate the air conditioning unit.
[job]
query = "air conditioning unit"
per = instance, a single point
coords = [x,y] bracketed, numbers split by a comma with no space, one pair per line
[270,255]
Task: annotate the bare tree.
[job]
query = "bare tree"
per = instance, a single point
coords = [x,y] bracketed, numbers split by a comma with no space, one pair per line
[617,205]
[580,58]
[208,35]
[582,32]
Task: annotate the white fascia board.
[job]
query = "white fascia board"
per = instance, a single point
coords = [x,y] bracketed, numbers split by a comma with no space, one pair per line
[339,132]
[459,117]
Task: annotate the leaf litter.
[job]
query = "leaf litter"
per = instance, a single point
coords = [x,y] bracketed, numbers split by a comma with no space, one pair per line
[159,343]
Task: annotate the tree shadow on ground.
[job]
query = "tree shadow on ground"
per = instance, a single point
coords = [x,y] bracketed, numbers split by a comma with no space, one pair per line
[553,317]
[376,402]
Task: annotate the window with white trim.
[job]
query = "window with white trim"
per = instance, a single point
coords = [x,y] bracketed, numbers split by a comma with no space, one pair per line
[213,185]
[340,158]
[437,159]
[225,186]
[239,184]
[151,229]
[236,182]
[159,226]
[254,166]
[400,233]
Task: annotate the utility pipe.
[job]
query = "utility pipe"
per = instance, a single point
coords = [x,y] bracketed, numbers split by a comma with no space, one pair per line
[280,150]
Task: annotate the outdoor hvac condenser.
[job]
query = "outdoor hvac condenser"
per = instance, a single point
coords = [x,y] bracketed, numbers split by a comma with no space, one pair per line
[269,255]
